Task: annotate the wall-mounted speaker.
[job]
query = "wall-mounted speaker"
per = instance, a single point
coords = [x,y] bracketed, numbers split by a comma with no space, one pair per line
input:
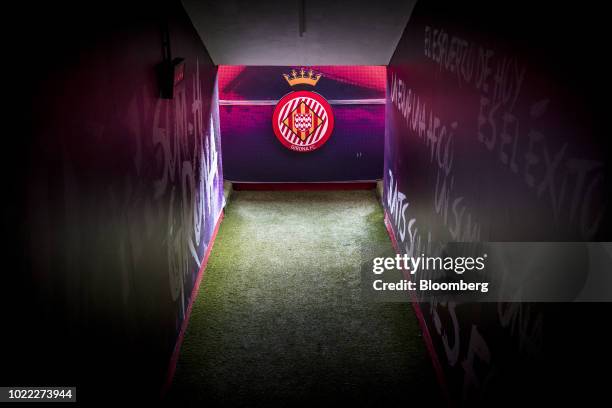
[169,74]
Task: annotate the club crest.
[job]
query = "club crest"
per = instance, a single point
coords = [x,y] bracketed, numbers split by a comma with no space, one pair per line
[303,120]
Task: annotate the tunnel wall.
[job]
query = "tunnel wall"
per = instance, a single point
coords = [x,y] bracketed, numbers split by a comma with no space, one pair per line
[122,196]
[493,133]
[252,153]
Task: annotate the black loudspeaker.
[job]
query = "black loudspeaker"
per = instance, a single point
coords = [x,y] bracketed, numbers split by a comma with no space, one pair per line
[169,73]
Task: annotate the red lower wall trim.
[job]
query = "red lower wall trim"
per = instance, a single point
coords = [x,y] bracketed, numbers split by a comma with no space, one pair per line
[419,314]
[194,294]
[361,185]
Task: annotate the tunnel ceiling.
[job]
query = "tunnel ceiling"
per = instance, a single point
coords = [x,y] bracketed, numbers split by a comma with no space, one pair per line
[267,32]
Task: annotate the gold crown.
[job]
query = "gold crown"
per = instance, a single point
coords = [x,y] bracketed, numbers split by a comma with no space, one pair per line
[302,77]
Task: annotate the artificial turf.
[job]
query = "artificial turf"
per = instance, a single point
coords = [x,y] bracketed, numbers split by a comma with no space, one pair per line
[280,318]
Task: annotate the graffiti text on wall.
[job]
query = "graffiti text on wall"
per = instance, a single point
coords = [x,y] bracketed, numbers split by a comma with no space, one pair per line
[569,184]
[190,170]
[438,137]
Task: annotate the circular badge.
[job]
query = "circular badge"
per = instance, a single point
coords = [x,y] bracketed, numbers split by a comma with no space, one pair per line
[303,121]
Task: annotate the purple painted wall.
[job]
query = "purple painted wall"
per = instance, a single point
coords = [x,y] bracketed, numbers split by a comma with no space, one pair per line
[492,135]
[252,152]
[122,196]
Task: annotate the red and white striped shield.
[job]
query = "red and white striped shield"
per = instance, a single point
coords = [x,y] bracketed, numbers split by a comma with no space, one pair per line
[303,121]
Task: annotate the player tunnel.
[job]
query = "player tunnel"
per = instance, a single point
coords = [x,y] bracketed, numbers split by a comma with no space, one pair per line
[203,180]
